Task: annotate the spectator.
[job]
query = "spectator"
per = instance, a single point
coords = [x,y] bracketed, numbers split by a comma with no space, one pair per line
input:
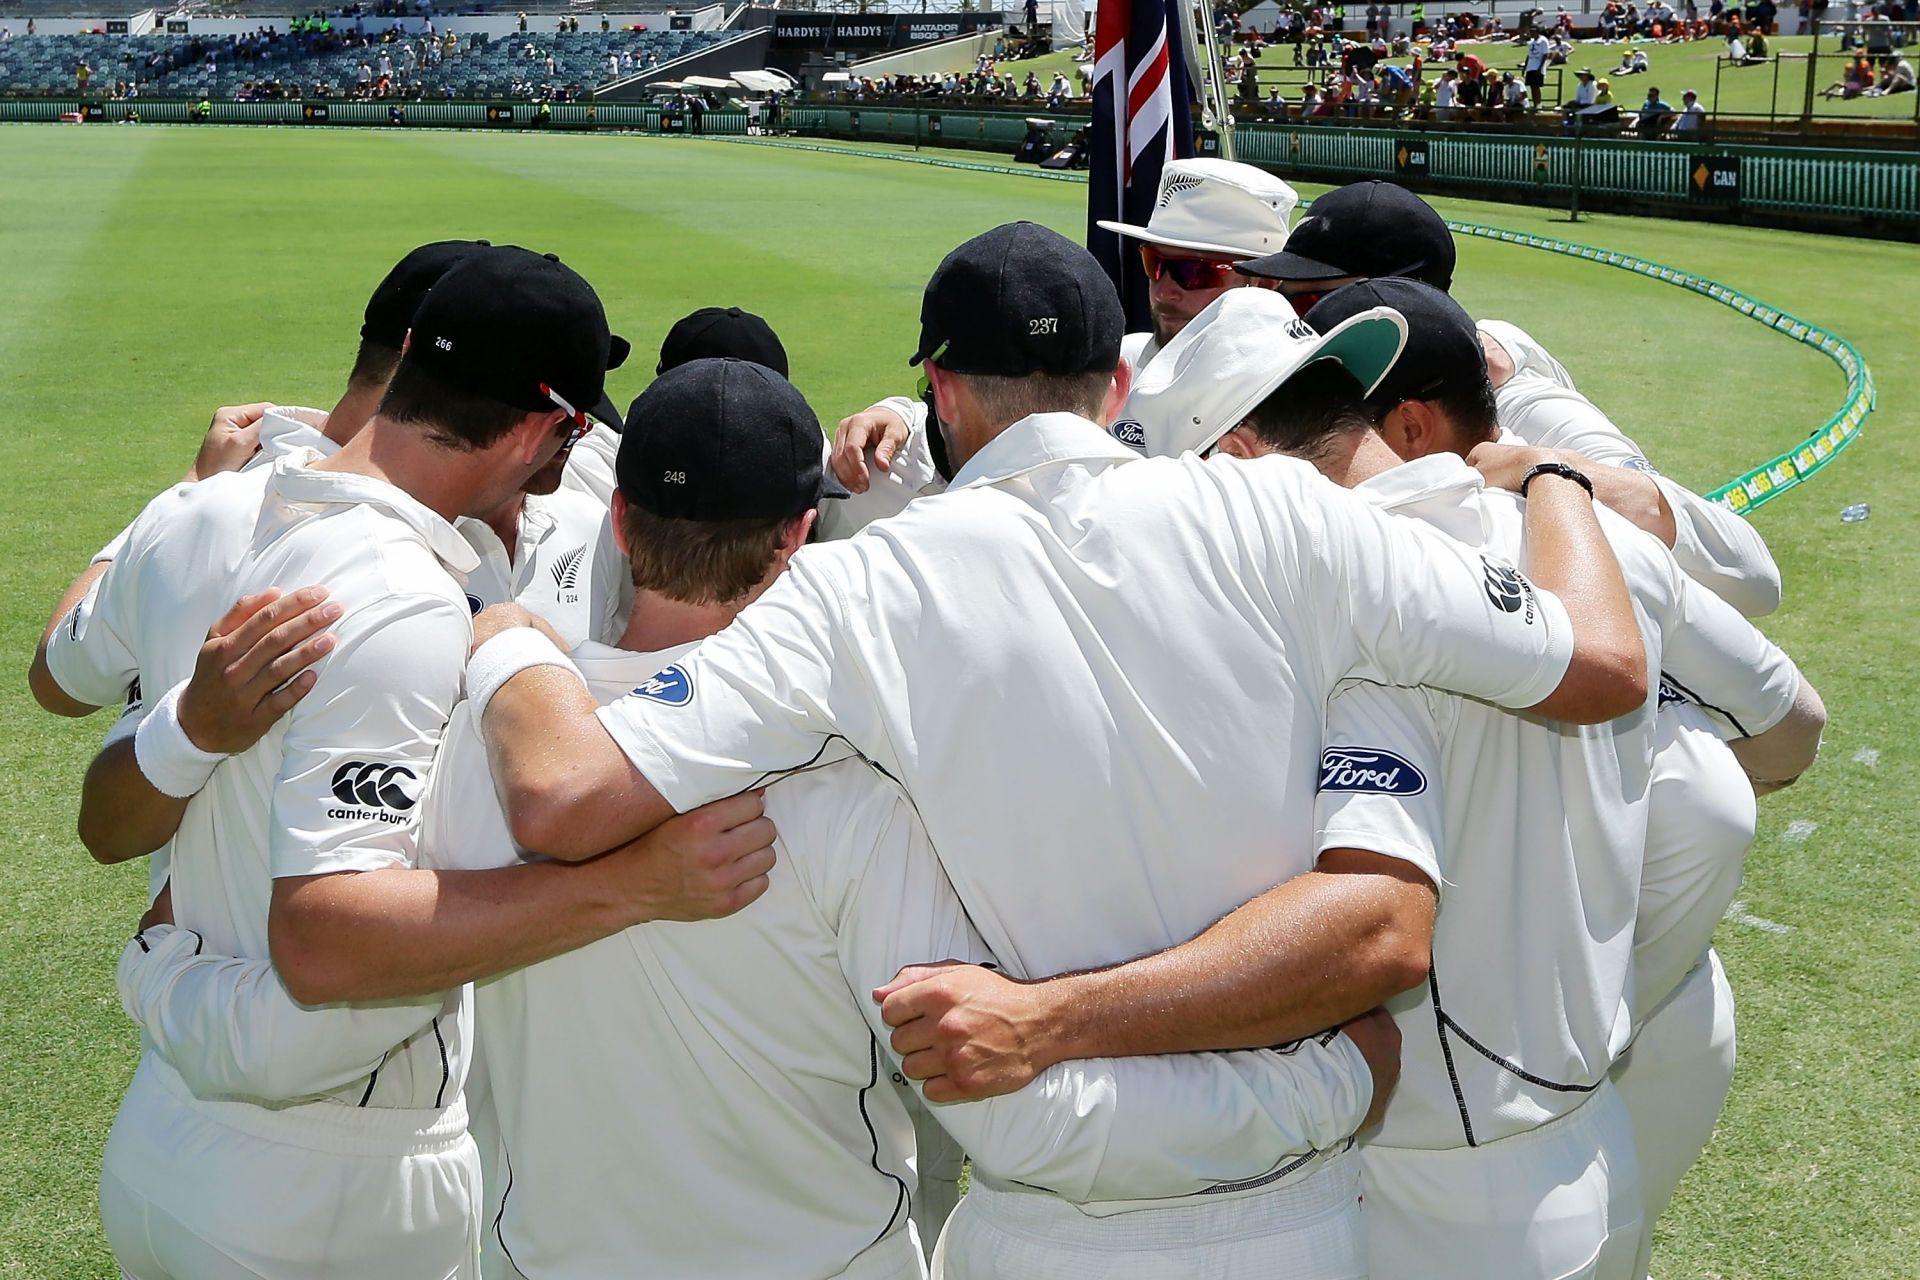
[1896,78]
[1757,50]
[1858,80]
[82,74]
[1584,89]
[1446,95]
[1513,95]
[1633,64]
[1655,114]
[1603,94]
[1538,50]
[1693,116]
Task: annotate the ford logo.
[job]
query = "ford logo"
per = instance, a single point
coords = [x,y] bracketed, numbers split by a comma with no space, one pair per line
[1369,769]
[672,686]
[1130,433]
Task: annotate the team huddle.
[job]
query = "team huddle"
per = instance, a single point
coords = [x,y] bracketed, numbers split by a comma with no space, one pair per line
[1260,789]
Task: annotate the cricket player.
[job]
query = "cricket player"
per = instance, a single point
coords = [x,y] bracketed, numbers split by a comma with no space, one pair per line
[1676,1080]
[710,1100]
[1506,1088]
[1208,215]
[300,848]
[552,553]
[1374,229]
[1114,627]
[241,437]
[709,333]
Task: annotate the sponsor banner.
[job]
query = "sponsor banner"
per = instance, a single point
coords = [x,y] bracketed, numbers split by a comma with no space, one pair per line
[1410,157]
[874,31]
[314,112]
[500,113]
[1715,178]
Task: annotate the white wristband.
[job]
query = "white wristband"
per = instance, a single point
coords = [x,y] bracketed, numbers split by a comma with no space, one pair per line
[166,755]
[506,656]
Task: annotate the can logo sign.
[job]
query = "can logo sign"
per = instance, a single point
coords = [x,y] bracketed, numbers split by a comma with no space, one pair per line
[1714,178]
[1410,157]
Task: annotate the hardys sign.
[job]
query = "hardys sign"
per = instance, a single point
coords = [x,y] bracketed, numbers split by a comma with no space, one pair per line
[874,31]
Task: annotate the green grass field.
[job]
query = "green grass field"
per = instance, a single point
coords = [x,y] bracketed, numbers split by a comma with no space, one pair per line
[153,273]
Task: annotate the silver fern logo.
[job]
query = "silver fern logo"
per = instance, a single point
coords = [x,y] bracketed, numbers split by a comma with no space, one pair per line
[1175,184]
[566,569]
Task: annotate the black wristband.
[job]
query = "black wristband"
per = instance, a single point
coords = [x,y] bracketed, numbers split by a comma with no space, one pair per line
[1555,469]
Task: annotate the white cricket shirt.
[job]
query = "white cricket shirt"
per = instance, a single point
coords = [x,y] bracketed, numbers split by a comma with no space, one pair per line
[589,467]
[335,784]
[1540,828]
[753,1041]
[1700,824]
[1716,547]
[911,473]
[566,566]
[1100,677]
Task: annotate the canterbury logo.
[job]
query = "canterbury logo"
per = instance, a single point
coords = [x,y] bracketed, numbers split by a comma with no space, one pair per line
[566,570]
[378,785]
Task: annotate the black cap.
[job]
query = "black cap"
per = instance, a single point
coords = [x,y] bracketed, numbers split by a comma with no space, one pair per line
[1017,300]
[723,440]
[717,332]
[390,310]
[1365,229]
[1443,355]
[522,328]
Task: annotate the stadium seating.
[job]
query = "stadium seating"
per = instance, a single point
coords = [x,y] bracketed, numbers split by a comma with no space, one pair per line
[45,64]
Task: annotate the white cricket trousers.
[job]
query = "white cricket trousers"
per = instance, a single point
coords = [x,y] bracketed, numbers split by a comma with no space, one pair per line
[1302,1230]
[1675,1078]
[1560,1202]
[198,1190]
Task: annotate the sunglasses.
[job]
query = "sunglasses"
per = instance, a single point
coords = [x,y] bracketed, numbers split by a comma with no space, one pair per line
[577,423]
[1189,273]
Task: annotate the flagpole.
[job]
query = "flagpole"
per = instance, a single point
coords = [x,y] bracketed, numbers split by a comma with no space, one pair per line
[1203,56]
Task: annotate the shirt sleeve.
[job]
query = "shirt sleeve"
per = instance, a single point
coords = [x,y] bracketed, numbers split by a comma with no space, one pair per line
[1102,1129]
[1714,545]
[762,698]
[910,475]
[1379,784]
[1719,661]
[230,1028]
[90,654]
[1404,604]
[359,747]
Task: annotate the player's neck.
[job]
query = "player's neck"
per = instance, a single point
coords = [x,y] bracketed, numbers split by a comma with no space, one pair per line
[352,412]
[1358,458]
[658,623]
[444,481]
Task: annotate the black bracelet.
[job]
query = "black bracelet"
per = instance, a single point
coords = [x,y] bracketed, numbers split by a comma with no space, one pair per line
[1555,469]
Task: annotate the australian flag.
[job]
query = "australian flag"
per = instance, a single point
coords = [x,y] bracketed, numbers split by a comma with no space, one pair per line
[1141,120]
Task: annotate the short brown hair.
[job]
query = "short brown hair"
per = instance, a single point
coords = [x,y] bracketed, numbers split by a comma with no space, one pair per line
[1007,400]
[700,561]
[453,416]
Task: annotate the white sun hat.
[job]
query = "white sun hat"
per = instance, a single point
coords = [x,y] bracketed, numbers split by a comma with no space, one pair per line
[1217,206]
[1233,355]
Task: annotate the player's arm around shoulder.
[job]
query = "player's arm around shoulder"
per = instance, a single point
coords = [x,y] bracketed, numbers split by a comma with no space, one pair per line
[355,758]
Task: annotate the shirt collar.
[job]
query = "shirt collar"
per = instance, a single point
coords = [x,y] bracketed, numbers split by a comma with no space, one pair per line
[296,482]
[285,428]
[1440,489]
[1040,440]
